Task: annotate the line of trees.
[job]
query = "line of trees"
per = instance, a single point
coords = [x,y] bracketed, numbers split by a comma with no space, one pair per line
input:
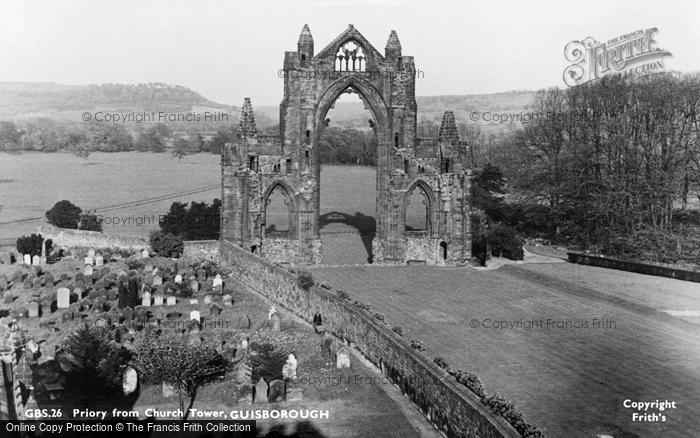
[611,165]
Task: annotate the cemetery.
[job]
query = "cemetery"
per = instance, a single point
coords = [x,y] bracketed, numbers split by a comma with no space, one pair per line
[270,359]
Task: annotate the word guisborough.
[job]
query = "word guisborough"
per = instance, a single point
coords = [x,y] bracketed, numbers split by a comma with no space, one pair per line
[155,117]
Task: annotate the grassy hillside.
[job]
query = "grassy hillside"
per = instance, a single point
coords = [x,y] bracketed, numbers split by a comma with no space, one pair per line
[20,100]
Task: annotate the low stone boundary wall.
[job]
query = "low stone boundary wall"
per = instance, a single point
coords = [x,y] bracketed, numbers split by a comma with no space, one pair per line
[451,407]
[640,268]
[69,238]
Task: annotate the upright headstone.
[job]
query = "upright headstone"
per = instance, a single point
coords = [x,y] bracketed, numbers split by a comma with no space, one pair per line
[289,370]
[63,298]
[260,392]
[91,252]
[33,309]
[89,260]
[144,254]
[276,392]
[194,301]
[130,381]
[158,300]
[194,285]
[27,259]
[146,299]
[207,299]
[178,279]
[88,270]
[36,260]
[157,280]
[171,300]
[217,282]
[342,358]
[228,300]
[194,315]
[99,261]
[48,279]
[276,323]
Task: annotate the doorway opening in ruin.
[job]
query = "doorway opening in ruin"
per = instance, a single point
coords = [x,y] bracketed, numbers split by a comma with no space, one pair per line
[347,151]
[278,214]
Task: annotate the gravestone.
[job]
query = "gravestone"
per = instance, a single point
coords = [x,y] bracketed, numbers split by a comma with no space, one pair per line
[217,282]
[275,323]
[178,279]
[244,346]
[228,300]
[215,309]
[146,299]
[99,260]
[207,299]
[276,392]
[342,358]
[289,370]
[63,298]
[48,279]
[158,300]
[87,271]
[7,298]
[194,301]
[27,259]
[194,315]
[171,300]
[36,260]
[260,395]
[17,278]
[194,285]
[89,260]
[272,311]
[45,308]
[144,254]
[157,280]
[130,381]
[91,252]
[33,309]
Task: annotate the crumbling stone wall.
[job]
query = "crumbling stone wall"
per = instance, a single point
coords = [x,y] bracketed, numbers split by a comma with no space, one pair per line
[452,408]
[254,164]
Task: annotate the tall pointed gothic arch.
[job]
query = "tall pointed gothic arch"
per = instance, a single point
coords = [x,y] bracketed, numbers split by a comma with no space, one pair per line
[254,163]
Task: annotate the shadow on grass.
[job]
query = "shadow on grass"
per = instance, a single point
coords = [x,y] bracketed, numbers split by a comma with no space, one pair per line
[366,225]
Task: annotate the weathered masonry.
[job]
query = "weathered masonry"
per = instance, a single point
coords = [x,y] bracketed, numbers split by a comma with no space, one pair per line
[255,165]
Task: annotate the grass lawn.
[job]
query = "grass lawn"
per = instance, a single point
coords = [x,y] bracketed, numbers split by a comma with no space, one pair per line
[570,381]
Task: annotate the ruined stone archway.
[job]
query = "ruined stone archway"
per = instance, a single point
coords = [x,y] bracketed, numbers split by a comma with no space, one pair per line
[386,84]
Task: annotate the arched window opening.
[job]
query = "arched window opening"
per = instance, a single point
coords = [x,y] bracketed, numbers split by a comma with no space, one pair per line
[443,248]
[278,213]
[448,164]
[350,57]
[396,140]
[417,210]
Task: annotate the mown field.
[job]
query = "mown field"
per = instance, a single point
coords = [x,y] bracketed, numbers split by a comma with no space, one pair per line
[572,381]
[141,186]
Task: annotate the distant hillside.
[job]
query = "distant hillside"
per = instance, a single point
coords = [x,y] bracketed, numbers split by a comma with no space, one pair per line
[22,100]
[354,115]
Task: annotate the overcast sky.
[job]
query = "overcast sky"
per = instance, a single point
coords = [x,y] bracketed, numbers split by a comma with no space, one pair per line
[226,50]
